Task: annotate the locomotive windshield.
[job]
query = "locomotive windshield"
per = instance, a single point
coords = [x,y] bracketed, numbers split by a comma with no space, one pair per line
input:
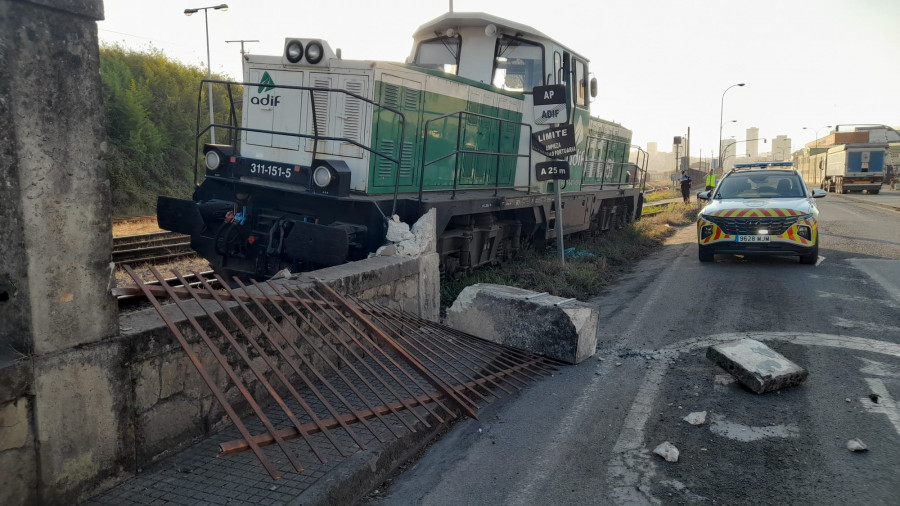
[518,64]
[439,54]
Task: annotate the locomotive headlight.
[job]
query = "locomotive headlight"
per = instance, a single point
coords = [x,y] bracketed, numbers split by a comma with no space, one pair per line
[314,52]
[322,176]
[294,51]
[213,160]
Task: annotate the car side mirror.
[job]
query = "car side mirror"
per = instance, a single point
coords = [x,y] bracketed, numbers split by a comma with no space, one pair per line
[704,195]
[819,193]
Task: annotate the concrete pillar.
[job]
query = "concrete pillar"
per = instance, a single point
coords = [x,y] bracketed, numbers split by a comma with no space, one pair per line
[55,309]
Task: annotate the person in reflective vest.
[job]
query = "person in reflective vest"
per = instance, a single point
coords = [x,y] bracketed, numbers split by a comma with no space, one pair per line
[710,180]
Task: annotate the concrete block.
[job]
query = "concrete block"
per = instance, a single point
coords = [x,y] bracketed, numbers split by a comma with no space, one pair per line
[757,366]
[554,327]
[18,479]
[146,385]
[81,417]
[14,424]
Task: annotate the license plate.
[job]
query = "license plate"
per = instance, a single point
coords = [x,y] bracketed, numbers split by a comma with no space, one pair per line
[753,238]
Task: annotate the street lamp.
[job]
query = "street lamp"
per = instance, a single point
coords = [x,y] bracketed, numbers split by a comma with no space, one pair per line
[188,12]
[721,109]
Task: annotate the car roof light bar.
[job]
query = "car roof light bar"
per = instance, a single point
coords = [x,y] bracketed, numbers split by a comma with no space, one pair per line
[763,164]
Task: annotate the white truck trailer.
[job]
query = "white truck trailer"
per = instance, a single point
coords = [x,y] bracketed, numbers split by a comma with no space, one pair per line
[855,167]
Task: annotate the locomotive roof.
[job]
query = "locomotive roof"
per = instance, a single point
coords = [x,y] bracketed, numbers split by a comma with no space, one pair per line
[468,19]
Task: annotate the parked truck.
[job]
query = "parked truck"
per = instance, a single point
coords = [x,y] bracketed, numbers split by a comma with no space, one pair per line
[855,167]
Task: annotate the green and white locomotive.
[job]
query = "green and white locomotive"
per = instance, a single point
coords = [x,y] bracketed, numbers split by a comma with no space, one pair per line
[323,151]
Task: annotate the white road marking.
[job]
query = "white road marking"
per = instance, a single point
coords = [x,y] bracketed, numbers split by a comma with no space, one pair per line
[820,260]
[740,432]
[876,368]
[632,467]
[885,405]
[885,272]
[859,300]
[853,324]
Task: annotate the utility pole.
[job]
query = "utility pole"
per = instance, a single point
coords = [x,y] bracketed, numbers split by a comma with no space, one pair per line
[242,45]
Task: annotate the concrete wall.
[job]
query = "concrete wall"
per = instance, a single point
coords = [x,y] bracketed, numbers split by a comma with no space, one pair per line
[83,405]
[61,424]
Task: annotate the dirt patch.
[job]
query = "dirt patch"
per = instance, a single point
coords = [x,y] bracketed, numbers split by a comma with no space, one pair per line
[135,226]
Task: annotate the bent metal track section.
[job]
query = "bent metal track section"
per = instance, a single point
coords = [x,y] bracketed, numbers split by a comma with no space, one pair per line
[341,371]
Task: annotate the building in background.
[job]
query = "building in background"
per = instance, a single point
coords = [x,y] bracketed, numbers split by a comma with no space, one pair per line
[752,145]
[781,148]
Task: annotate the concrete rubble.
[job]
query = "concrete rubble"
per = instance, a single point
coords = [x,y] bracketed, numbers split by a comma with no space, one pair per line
[562,329]
[667,451]
[758,367]
[410,242]
[696,418]
[855,445]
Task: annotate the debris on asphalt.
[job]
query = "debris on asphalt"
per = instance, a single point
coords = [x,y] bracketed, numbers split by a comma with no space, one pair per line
[667,451]
[696,418]
[855,445]
[847,399]
[874,398]
[758,367]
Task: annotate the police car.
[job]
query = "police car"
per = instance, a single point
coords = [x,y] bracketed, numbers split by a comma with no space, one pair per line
[760,209]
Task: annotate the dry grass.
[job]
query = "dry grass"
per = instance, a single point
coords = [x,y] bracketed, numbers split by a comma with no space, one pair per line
[602,260]
[135,226]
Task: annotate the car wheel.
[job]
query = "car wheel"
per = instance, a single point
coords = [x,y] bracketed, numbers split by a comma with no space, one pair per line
[706,254]
[812,257]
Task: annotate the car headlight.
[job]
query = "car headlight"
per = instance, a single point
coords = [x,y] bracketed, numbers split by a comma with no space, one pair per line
[322,176]
[213,160]
[314,52]
[294,51]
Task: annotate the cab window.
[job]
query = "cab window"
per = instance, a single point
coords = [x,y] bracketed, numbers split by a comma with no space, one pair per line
[439,54]
[580,84]
[518,64]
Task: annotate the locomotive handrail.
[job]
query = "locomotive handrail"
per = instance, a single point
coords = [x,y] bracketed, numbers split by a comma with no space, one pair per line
[458,151]
[601,183]
[315,136]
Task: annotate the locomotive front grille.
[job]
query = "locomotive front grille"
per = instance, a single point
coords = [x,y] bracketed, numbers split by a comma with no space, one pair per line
[750,226]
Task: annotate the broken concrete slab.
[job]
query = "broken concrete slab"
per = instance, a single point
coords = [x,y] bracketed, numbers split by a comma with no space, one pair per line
[562,329]
[757,366]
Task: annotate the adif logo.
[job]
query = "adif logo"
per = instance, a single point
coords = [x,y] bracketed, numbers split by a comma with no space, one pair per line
[266,84]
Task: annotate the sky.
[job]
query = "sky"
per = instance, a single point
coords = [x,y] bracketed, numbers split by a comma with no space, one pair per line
[662,66]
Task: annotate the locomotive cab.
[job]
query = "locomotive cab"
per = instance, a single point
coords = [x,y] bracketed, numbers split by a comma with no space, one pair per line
[507,55]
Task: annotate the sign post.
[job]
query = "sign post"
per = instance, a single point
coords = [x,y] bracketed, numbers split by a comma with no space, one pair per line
[551,107]
[556,171]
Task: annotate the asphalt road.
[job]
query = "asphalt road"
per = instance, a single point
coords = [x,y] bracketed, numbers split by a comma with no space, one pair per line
[586,435]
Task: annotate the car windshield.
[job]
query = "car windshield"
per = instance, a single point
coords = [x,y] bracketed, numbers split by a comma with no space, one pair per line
[760,185]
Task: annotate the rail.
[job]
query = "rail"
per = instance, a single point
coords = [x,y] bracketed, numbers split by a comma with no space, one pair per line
[150,247]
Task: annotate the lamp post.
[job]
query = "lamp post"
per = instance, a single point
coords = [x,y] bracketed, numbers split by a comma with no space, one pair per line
[735,142]
[188,12]
[721,110]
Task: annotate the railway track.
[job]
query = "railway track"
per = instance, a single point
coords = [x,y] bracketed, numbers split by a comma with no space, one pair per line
[135,297]
[150,247]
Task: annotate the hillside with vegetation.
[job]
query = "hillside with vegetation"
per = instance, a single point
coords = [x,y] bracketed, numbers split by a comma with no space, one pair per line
[151,106]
